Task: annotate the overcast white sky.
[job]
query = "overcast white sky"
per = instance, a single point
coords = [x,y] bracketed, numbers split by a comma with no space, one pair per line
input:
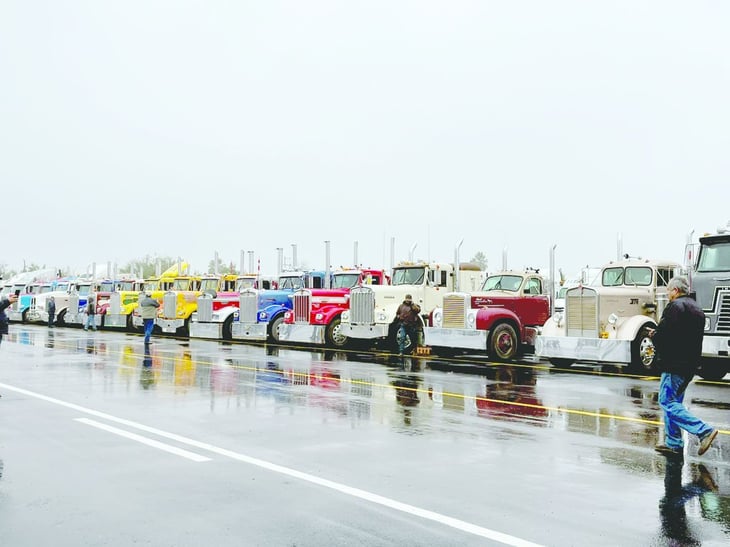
[180,128]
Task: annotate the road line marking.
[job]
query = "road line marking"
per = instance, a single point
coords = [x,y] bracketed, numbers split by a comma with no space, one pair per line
[144,440]
[464,526]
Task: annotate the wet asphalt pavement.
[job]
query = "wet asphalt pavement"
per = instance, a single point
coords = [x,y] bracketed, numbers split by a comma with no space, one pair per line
[204,443]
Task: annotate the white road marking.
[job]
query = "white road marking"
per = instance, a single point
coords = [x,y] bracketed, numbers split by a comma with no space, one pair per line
[144,440]
[464,526]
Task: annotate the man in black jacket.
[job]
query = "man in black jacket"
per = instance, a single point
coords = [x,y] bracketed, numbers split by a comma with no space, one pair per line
[678,341]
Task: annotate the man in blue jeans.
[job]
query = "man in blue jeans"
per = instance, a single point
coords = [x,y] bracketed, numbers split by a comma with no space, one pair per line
[148,311]
[678,341]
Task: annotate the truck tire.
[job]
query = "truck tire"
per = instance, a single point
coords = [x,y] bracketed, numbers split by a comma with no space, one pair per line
[61,319]
[227,332]
[503,342]
[333,334]
[713,369]
[643,352]
[274,329]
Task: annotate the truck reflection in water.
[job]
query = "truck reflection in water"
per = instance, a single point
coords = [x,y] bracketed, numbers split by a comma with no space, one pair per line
[510,393]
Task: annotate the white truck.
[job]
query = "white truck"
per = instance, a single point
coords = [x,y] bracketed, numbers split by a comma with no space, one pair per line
[609,321]
[710,284]
[372,312]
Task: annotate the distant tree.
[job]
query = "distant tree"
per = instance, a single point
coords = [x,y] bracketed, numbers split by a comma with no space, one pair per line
[147,265]
[481,259]
[222,268]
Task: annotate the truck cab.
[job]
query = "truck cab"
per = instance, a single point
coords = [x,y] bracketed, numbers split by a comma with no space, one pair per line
[179,303]
[120,304]
[710,283]
[315,317]
[372,309]
[261,312]
[609,321]
[502,319]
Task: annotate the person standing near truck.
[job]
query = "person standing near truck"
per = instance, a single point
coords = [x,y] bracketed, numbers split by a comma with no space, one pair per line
[51,309]
[407,316]
[91,312]
[148,311]
[678,341]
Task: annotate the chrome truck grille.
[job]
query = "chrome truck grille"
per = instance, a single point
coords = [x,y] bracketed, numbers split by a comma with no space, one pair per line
[362,305]
[115,303]
[248,306]
[205,309]
[302,306]
[455,306]
[723,313]
[581,312]
[169,305]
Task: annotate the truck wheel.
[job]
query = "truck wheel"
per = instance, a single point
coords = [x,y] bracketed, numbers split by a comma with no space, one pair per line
[643,353]
[227,333]
[61,319]
[503,343]
[333,335]
[713,369]
[274,328]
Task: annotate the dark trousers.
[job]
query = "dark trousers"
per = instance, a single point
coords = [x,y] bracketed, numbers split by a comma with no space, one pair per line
[148,326]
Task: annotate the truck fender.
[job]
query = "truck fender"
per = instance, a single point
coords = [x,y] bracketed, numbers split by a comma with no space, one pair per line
[272,310]
[487,317]
[552,328]
[629,329]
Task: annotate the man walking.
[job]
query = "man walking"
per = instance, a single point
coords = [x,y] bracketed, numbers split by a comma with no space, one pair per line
[678,341]
[51,309]
[148,311]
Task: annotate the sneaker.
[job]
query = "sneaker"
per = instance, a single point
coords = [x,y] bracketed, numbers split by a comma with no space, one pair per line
[669,451]
[706,441]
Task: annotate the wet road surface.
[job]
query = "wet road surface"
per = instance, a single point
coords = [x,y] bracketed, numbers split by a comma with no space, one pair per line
[198,442]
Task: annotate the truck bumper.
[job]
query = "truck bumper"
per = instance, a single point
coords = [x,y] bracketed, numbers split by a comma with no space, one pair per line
[169,325]
[305,334]
[716,346]
[115,321]
[364,332]
[583,349]
[206,330]
[137,321]
[74,318]
[249,331]
[15,315]
[456,338]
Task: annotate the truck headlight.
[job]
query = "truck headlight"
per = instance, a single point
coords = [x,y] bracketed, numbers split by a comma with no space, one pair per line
[612,319]
[380,317]
[437,317]
[319,317]
[471,319]
[558,318]
[345,318]
[707,323]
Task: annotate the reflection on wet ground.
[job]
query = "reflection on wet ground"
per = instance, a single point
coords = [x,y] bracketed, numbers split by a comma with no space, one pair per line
[423,396]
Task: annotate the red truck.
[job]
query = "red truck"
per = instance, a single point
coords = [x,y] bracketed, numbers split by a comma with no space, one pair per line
[315,314]
[502,320]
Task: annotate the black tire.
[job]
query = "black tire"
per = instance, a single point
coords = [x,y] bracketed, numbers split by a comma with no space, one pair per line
[643,353]
[61,319]
[713,369]
[333,334]
[227,333]
[130,323]
[503,343]
[274,329]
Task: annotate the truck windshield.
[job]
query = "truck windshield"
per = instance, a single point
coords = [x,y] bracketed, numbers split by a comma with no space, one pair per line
[408,276]
[127,286]
[612,277]
[181,285]
[714,257]
[245,283]
[502,283]
[290,283]
[345,281]
[84,290]
[209,285]
[106,286]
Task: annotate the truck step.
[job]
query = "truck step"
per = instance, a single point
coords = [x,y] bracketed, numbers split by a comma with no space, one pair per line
[423,350]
